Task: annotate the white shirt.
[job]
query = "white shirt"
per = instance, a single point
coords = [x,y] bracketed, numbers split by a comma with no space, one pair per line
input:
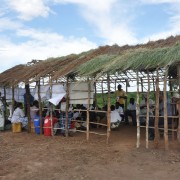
[120,110]
[132,106]
[17,114]
[115,116]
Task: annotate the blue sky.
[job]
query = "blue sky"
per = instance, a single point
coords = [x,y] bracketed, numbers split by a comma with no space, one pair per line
[39,29]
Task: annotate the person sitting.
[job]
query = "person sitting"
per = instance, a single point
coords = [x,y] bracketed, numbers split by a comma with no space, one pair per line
[115,118]
[131,111]
[18,115]
[119,109]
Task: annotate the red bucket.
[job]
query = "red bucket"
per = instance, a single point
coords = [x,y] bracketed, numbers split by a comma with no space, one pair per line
[47,125]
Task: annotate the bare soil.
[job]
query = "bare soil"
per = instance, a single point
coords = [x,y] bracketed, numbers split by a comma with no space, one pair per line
[30,156]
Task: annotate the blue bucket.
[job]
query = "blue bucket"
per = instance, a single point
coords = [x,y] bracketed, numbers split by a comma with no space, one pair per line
[37,124]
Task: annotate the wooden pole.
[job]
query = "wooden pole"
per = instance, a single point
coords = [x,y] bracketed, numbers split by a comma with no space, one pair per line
[126,100]
[156,139]
[173,109]
[40,107]
[109,110]
[137,113]
[28,106]
[67,107]
[147,114]
[102,88]
[178,131]
[13,101]
[95,95]
[88,107]
[165,112]
[5,107]
[141,85]
[51,107]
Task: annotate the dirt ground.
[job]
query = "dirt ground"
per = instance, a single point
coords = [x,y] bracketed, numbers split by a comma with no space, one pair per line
[30,156]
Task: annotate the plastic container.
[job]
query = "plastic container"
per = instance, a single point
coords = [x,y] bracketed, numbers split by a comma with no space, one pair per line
[16,127]
[32,127]
[37,124]
[47,125]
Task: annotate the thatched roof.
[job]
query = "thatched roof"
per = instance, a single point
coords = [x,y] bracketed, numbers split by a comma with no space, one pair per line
[96,62]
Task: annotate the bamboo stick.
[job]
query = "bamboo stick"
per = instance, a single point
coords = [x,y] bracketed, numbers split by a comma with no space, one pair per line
[109,110]
[67,106]
[51,107]
[27,96]
[13,101]
[5,107]
[178,132]
[40,107]
[88,107]
[147,114]
[165,112]
[137,113]
[156,139]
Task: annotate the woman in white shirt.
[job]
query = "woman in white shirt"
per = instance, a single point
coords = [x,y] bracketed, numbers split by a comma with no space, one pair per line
[18,115]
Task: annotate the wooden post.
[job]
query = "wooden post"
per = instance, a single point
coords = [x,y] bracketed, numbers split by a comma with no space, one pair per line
[5,107]
[67,107]
[126,100]
[109,110]
[102,89]
[51,107]
[141,85]
[95,95]
[165,112]
[13,101]
[156,128]
[147,114]
[178,130]
[28,106]
[88,107]
[137,113]
[40,107]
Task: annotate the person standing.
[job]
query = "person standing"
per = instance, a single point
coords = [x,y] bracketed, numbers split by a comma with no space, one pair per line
[131,111]
[121,96]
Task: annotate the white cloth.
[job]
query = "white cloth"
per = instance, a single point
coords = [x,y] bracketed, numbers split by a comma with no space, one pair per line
[78,93]
[44,92]
[17,114]
[119,110]
[115,116]
[58,93]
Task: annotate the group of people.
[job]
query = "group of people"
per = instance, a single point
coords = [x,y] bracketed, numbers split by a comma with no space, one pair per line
[118,112]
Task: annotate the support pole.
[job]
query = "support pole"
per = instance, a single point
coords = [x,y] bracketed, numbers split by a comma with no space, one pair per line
[67,107]
[178,130]
[165,112]
[156,139]
[88,107]
[137,113]
[40,107]
[28,106]
[109,110]
[147,114]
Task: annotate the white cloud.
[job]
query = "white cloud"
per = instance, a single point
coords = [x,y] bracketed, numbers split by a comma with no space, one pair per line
[28,10]
[8,24]
[174,19]
[41,45]
[110,19]
[159,1]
